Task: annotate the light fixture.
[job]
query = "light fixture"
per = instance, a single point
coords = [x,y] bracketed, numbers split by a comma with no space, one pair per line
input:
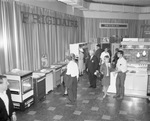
[138,55]
[68,1]
[75,3]
[144,53]
[141,46]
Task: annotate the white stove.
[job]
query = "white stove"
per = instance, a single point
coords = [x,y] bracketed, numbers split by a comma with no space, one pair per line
[140,65]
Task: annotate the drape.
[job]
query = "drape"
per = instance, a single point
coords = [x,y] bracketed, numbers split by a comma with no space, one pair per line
[92,29]
[7,36]
[23,44]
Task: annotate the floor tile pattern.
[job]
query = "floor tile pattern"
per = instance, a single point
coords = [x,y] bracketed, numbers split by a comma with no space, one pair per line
[90,106]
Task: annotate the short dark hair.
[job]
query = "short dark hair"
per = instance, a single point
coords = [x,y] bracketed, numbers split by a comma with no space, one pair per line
[107,56]
[1,78]
[117,49]
[98,45]
[72,56]
[68,58]
[121,52]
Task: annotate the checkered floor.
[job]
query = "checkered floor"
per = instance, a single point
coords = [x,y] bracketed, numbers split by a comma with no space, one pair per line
[90,106]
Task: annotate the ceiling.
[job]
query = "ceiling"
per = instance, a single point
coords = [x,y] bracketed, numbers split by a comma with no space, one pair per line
[140,3]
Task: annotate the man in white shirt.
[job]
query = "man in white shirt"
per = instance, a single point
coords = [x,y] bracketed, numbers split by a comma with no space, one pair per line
[73,75]
[121,69]
[6,105]
[103,54]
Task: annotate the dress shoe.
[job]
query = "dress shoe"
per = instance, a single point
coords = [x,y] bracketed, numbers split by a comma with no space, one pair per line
[116,96]
[64,95]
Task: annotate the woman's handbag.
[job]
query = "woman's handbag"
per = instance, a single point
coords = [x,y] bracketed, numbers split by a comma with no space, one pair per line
[99,75]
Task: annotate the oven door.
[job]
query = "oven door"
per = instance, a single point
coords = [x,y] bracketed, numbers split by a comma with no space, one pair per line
[57,76]
[27,84]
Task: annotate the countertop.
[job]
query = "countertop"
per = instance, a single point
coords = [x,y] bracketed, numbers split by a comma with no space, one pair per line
[20,73]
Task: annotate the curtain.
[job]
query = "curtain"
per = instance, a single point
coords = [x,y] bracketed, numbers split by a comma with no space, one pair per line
[7,37]
[23,44]
[92,29]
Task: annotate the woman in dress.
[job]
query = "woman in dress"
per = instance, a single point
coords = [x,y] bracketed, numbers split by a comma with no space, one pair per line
[81,62]
[103,54]
[105,70]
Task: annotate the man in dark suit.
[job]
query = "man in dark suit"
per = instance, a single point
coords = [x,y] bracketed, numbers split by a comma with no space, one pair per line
[6,105]
[98,52]
[92,66]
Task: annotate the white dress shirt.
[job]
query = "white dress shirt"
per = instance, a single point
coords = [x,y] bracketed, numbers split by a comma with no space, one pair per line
[121,65]
[72,69]
[103,54]
[4,97]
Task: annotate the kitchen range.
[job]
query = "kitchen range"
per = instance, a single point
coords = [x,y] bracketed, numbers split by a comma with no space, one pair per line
[135,82]
[137,54]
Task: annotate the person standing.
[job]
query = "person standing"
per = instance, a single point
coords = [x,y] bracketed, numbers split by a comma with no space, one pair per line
[72,76]
[115,58]
[81,61]
[98,52]
[7,112]
[105,70]
[92,67]
[121,69]
[64,81]
[103,54]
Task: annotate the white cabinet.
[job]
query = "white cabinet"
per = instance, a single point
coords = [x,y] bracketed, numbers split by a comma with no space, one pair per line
[49,82]
[129,84]
[74,48]
[135,84]
[140,85]
[129,81]
[140,82]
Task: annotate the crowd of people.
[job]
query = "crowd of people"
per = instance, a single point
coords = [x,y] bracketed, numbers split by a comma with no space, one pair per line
[97,66]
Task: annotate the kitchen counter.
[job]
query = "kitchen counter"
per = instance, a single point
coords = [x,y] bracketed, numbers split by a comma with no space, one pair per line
[20,73]
[57,69]
[135,82]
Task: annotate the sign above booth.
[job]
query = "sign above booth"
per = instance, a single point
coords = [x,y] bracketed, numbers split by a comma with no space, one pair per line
[113,25]
[29,18]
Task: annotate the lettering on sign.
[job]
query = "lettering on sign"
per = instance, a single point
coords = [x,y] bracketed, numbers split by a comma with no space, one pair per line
[44,19]
[113,25]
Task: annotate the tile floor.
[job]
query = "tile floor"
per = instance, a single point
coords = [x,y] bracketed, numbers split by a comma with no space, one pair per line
[90,106]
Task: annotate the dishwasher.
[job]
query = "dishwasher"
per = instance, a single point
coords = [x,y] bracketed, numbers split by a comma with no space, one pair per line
[39,87]
[56,74]
[57,78]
